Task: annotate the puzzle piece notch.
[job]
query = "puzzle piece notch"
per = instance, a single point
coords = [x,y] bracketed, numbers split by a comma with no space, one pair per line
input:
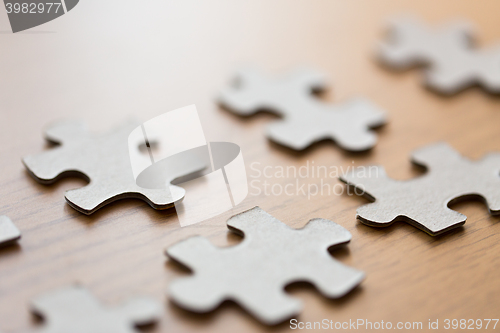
[453,62]
[423,201]
[8,231]
[255,272]
[74,309]
[103,159]
[305,119]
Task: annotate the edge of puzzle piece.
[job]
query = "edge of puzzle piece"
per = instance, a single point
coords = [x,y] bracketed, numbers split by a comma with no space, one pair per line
[9,233]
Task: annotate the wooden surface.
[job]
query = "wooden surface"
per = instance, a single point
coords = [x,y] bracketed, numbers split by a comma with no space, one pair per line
[107,60]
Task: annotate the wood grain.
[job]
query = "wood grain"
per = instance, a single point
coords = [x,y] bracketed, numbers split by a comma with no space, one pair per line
[107,60]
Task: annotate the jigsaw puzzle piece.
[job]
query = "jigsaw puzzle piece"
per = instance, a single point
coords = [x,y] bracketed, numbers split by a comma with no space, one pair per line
[8,231]
[75,310]
[255,272]
[103,160]
[411,42]
[453,63]
[305,120]
[423,201]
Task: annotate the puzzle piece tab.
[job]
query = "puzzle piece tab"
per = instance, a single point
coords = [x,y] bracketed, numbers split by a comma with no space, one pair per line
[305,118]
[8,231]
[75,310]
[453,63]
[104,160]
[423,201]
[255,272]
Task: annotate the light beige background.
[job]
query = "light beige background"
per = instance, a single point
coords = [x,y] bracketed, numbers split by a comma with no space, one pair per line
[107,60]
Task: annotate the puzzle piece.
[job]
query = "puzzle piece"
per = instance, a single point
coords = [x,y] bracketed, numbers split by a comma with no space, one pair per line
[8,231]
[305,118]
[255,272]
[104,160]
[453,63]
[423,201]
[75,310]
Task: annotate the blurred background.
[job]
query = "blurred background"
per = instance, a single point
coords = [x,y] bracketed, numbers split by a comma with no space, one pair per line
[108,60]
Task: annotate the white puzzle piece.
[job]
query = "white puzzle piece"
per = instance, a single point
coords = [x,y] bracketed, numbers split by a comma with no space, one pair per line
[453,62]
[104,160]
[423,201]
[75,310]
[255,272]
[305,118]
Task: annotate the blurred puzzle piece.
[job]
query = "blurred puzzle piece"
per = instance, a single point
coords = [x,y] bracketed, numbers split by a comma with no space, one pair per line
[453,63]
[104,160]
[423,201]
[305,118]
[254,273]
[75,310]
[8,231]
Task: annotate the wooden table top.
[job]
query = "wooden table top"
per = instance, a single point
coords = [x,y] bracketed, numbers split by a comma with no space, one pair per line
[105,61]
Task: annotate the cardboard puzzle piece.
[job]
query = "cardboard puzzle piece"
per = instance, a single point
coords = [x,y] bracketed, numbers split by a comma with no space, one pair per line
[8,231]
[453,63]
[423,201]
[104,160]
[305,119]
[74,309]
[254,273]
